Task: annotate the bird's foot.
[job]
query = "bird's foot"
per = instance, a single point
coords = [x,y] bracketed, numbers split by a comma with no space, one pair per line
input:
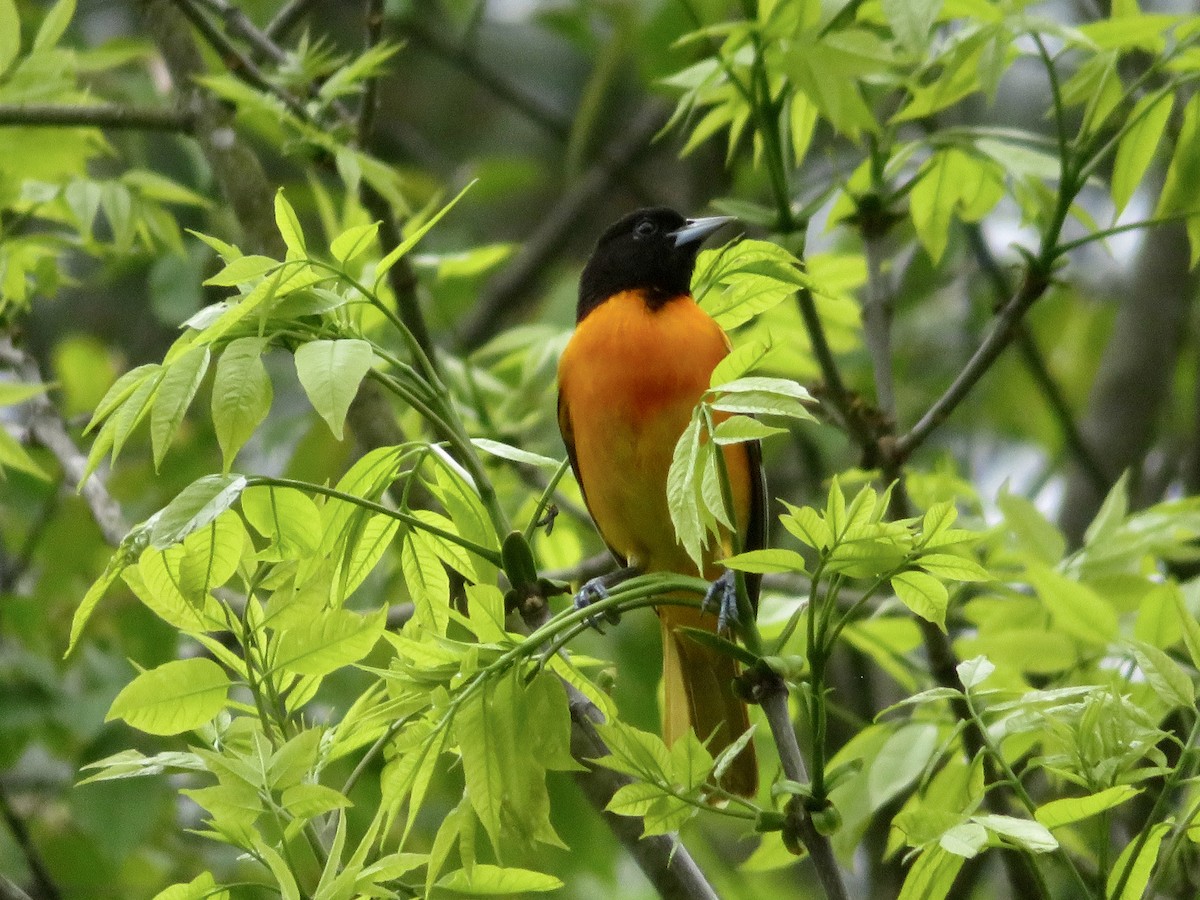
[722,595]
[596,589]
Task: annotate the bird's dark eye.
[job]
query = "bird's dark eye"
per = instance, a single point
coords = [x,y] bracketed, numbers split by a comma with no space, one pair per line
[645,228]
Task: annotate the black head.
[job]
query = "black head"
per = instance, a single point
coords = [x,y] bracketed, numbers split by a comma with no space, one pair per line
[652,250]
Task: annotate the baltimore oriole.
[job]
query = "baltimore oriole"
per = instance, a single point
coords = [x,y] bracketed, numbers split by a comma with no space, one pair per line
[641,357]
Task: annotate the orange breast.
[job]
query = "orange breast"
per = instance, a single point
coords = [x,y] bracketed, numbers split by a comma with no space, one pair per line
[628,381]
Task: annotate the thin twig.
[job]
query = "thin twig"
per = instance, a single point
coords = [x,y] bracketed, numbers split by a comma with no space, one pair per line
[97,115]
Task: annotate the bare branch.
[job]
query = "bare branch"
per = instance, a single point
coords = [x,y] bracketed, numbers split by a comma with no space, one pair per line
[99,115]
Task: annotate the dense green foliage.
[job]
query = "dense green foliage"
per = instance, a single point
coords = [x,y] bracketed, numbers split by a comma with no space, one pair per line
[337,657]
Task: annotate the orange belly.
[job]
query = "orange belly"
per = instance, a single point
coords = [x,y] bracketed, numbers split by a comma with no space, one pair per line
[629,380]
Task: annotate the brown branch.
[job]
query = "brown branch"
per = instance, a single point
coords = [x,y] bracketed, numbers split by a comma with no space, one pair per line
[520,277]
[99,115]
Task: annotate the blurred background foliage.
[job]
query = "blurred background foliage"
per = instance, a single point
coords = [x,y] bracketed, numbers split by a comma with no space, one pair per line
[557,111]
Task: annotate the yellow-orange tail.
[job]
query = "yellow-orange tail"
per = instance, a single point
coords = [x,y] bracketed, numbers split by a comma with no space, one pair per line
[698,688]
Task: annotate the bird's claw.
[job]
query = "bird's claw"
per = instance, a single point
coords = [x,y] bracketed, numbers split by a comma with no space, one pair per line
[592,591]
[722,594]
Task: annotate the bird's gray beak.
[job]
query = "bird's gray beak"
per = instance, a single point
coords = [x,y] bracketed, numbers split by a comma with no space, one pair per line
[696,230]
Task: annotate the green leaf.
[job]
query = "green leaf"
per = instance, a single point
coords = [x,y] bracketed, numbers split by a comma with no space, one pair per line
[1191,629]
[737,429]
[330,373]
[14,392]
[175,697]
[409,242]
[353,241]
[900,762]
[807,526]
[1057,813]
[285,516]
[55,23]
[1025,833]
[175,393]
[241,396]
[975,671]
[756,395]
[14,456]
[243,269]
[1138,145]
[911,21]
[202,887]
[289,227]
[516,454]
[10,34]
[953,568]
[932,875]
[965,839]
[924,595]
[1168,679]
[116,564]
[1179,191]
[954,184]
[681,492]
[1140,867]
[1077,609]
[305,801]
[194,507]
[334,638]
[773,559]
[427,581]
[1033,531]
[740,361]
[484,880]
